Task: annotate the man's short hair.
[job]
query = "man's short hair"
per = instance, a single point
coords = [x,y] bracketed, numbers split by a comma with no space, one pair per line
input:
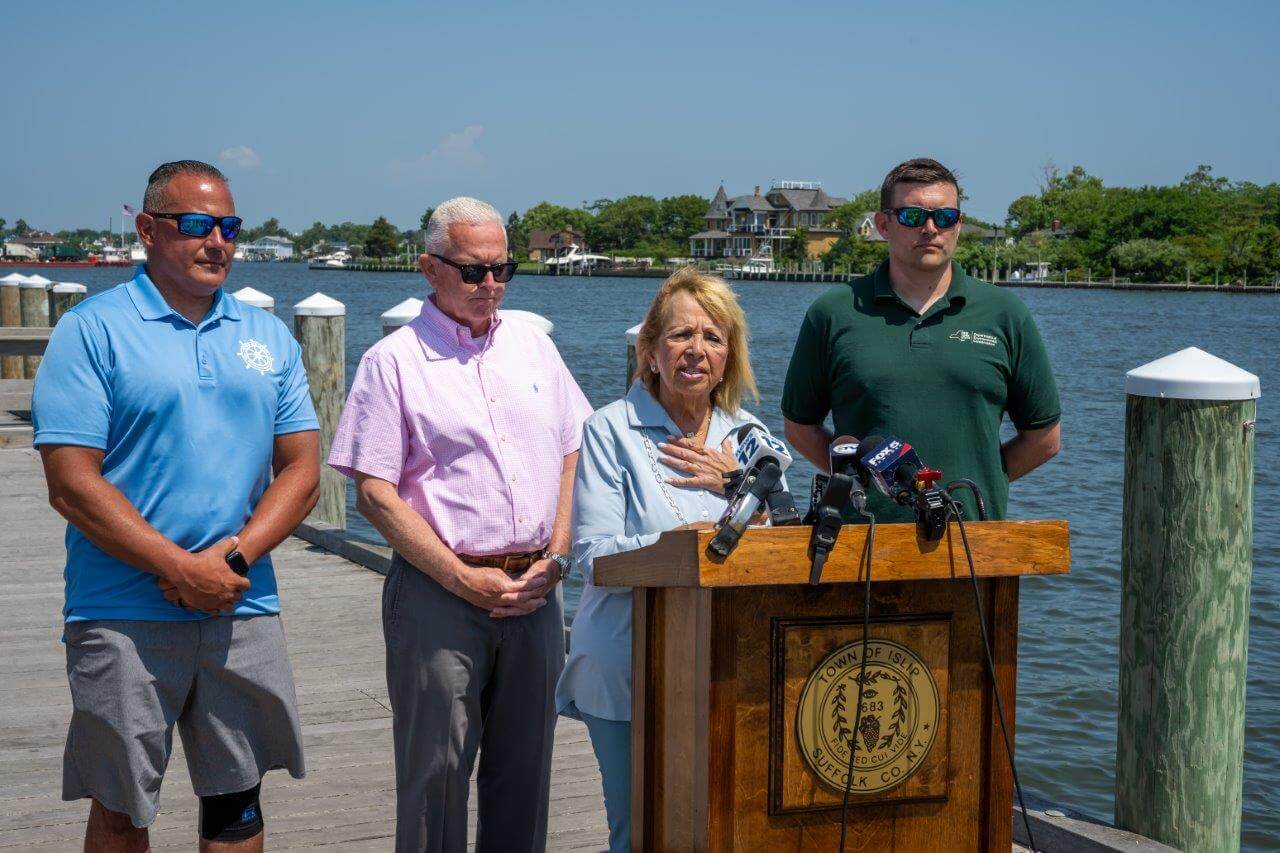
[462,210]
[153,198]
[921,170]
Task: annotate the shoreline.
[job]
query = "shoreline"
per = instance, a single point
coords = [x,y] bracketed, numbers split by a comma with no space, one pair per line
[837,278]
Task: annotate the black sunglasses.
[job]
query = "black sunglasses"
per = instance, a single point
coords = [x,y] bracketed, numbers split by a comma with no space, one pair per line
[914,217]
[475,273]
[201,224]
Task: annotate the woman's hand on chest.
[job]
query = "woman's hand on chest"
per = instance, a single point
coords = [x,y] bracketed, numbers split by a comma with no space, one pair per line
[707,467]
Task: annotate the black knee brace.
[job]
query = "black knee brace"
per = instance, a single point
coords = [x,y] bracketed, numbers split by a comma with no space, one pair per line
[231,817]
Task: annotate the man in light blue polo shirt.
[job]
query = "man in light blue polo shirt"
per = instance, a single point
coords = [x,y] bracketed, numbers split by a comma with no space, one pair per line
[162,409]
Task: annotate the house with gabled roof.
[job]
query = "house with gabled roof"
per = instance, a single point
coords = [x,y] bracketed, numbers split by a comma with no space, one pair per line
[760,224]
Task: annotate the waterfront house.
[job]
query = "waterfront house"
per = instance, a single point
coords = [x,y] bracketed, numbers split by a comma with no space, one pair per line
[1055,231]
[546,243]
[270,248]
[761,223]
[37,240]
[987,235]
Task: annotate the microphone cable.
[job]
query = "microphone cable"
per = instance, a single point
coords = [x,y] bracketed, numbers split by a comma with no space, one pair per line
[862,671]
[957,512]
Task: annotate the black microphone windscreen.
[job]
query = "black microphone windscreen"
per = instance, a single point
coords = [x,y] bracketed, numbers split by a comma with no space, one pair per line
[868,444]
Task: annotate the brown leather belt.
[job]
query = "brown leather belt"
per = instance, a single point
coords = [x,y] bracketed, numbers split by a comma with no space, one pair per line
[514,564]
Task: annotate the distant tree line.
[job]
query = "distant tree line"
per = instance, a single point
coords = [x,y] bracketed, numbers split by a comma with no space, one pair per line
[379,239]
[1205,228]
[635,225]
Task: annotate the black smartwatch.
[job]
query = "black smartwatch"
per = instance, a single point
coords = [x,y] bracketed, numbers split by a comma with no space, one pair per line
[238,563]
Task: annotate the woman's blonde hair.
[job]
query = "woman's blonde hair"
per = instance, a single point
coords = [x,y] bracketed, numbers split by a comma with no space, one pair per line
[718,300]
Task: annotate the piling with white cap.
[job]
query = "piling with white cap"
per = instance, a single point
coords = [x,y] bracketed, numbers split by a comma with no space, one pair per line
[256,298]
[33,296]
[319,324]
[515,315]
[633,335]
[1186,564]
[399,315]
[64,296]
[11,315]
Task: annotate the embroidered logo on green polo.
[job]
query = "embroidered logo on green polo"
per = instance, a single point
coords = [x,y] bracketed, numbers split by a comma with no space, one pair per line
[974,337]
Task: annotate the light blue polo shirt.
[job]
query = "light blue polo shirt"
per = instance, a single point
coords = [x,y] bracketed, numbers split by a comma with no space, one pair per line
[186,415]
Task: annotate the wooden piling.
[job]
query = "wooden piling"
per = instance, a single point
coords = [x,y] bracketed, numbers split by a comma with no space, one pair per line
[1186,562]
[11,315]
[33,297]
[64,296]
[256,298]
[319,324]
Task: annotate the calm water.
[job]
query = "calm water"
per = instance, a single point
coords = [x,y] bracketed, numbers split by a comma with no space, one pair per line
[1069,625]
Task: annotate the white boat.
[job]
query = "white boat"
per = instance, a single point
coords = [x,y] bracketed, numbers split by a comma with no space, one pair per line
[336,261]
[574,261]
[759,264]
[114,256]
[756,264]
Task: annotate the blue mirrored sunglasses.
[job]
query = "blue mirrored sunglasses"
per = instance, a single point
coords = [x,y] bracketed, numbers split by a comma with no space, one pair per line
[201,224]
[914,217]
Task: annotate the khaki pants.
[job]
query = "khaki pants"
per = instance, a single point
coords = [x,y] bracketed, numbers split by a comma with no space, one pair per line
[462,682]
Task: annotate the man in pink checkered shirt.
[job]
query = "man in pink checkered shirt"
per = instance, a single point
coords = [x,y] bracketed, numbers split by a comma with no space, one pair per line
[461,432]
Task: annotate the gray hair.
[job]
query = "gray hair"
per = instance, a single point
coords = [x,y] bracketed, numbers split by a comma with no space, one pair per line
[154,199]
[462,210]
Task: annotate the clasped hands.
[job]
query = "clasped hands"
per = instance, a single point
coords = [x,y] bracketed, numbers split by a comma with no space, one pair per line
[501,594]
[202,581]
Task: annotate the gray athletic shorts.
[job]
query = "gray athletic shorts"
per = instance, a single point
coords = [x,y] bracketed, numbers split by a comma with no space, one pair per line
[226,682]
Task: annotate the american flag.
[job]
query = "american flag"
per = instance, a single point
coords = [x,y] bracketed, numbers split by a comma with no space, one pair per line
[128,209]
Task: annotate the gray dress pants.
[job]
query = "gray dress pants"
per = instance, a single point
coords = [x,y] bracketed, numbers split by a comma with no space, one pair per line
[461,682]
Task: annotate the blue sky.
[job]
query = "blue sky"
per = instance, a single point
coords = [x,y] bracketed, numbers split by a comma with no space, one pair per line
[328,111]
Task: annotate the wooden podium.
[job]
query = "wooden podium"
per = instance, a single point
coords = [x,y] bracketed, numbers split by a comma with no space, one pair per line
[744,688]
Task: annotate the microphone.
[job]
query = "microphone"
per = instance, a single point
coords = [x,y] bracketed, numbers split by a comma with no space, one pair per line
[816,489]
[891,465]
[756,486]
[895,469]
[756,447]
[842,488]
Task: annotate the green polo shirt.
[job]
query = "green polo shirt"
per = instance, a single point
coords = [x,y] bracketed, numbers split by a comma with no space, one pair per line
[941,381]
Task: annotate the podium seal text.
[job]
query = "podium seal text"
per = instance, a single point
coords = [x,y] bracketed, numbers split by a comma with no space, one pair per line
[899,721]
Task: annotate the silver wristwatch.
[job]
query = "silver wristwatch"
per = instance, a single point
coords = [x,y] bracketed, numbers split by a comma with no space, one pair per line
[561,560]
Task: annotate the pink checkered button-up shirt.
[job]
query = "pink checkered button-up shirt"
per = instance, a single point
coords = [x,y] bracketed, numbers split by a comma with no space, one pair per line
[472,432]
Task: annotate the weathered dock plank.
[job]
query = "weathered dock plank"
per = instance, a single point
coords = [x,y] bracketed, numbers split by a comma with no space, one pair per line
[332,616]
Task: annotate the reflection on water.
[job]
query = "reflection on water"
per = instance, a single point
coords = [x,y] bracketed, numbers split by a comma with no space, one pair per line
[1068,640]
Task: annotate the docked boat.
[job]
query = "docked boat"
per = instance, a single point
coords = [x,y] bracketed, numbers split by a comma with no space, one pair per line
[338,260]
[113,257]
[760,264]
[573,261]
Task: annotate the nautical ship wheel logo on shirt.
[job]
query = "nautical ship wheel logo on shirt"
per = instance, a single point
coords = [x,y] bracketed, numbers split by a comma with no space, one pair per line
[899,720]
[256,356]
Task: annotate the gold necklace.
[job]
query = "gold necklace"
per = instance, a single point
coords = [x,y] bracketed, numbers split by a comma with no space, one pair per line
[705,423]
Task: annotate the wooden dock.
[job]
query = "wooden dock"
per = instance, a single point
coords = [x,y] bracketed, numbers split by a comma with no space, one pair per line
[332,615]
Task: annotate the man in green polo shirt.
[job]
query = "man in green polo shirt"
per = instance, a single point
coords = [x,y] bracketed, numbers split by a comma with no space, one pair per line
[922,351]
